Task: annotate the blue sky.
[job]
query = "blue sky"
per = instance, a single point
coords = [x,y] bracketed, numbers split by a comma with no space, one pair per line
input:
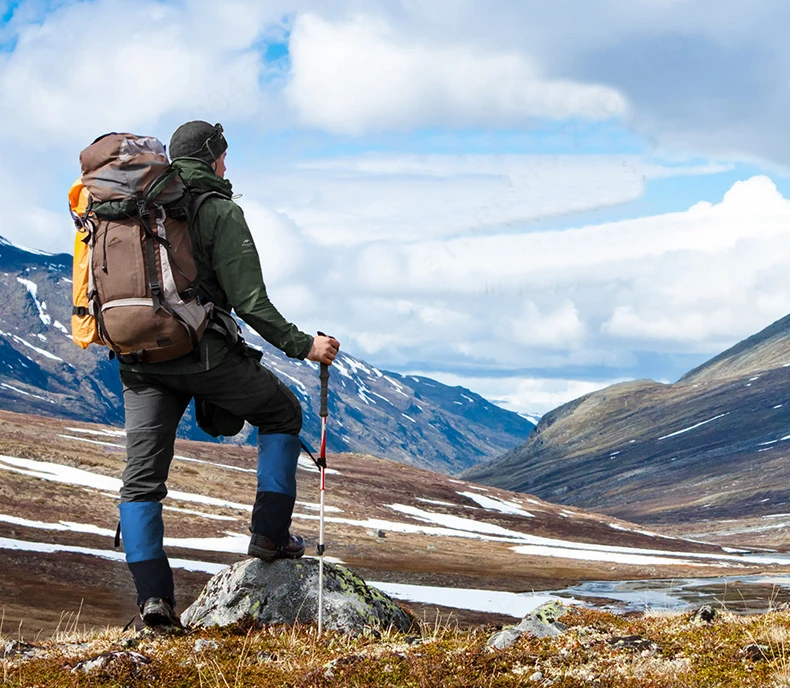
[533,203]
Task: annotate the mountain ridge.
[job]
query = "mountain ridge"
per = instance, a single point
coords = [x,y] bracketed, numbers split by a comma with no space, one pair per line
[711,446]
[407,418]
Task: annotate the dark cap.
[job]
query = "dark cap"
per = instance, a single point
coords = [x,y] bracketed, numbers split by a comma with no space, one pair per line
[198,139]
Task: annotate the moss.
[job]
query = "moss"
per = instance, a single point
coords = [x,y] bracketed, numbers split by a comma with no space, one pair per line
[688,655]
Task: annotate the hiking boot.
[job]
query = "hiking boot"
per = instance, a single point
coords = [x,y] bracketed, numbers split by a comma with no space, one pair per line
[159,612]
[264,548]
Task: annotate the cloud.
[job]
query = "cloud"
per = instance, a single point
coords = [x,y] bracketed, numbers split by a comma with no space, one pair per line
[88,68]
[561,327]
[352,76]
[691,282]
[521,394]
[396,197]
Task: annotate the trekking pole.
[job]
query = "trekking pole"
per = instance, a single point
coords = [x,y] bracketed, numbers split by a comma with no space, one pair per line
[323,413]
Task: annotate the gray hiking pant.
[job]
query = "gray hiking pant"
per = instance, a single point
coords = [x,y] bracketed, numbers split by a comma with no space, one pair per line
[154,404]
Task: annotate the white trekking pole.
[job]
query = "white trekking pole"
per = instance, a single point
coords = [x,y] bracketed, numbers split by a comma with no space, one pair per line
[323,413]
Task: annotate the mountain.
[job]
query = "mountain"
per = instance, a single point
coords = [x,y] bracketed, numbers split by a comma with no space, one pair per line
[711,447]
[410,419]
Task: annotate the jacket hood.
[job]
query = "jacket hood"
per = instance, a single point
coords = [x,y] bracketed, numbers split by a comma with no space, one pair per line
[197,174]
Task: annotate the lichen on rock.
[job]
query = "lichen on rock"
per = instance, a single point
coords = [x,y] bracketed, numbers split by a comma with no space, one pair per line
[255,593]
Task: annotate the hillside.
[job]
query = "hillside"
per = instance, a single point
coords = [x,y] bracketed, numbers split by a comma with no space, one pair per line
[391,523]
[709,448]
[410,419]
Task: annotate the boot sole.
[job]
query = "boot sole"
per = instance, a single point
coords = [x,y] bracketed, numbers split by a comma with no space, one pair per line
[268,555]
[157,619]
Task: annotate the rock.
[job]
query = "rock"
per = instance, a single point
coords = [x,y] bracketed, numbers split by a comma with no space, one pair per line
[549,612]
[541,623]
[18,648]
[541,629]
[255,593]
[201,645]
[756,652]
[633,642]
[501,640]
[704,615]
[102,661]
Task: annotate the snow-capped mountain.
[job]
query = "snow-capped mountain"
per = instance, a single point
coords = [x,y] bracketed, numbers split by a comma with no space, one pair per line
[410,419]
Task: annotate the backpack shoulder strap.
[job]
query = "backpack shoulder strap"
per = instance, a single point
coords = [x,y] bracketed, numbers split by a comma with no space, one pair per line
[198,199]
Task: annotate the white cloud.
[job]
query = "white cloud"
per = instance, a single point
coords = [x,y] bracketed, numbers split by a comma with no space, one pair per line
[691,282]
[356,75]
[93,67]
[521,394]
[278,241]
[752,211]
[560,328]
[403,198]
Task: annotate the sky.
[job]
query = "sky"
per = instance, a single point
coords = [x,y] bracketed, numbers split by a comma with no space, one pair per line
[533,200]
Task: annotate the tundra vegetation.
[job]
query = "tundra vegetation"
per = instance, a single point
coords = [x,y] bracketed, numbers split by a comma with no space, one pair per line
[598,648]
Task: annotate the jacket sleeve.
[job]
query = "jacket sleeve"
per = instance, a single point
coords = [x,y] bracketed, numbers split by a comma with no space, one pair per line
[237,266]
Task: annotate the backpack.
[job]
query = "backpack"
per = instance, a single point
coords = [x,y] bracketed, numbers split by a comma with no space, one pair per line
[134,268]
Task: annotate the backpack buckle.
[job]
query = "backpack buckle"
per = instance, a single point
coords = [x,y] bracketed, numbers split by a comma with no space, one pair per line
[142,209]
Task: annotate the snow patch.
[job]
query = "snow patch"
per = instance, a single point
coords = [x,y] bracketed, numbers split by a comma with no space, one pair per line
[491,601]
[24,393]
[693,427]
[32,289]
[42,352]
[496,504]
[47,548]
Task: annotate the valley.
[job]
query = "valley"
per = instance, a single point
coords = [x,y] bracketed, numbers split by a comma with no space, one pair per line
[389,522]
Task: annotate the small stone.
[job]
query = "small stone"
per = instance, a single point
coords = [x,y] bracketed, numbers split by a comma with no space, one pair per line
[102,661]
[201,645]
[16,648]
[537,676]
[263,656]
[704,615]
[756,652]
[502,640]
[632,642]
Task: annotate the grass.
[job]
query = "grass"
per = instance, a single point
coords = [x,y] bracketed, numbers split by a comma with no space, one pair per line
[721,653]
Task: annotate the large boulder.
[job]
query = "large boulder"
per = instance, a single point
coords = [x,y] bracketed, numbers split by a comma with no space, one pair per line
[255,593]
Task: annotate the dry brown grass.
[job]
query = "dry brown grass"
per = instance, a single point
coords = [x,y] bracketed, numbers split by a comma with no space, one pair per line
[682,655]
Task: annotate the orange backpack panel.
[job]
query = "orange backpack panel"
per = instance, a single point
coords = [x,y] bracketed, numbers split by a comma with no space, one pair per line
[84,330]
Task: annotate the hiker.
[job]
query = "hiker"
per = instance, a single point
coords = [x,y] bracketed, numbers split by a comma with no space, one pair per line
[224,377]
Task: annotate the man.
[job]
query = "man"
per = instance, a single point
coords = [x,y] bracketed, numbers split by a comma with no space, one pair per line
[223,376]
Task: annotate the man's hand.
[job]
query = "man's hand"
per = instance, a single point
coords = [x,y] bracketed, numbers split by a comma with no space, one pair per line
[324,349]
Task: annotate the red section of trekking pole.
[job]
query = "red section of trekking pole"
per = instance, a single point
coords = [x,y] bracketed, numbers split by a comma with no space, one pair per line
[323,413]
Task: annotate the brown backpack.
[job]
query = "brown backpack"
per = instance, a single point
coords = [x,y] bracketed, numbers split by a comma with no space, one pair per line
[140,286]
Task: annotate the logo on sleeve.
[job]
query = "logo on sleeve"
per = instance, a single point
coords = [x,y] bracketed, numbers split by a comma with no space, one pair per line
[247,246]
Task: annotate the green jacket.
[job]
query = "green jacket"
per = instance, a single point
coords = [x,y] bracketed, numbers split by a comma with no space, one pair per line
[229,274]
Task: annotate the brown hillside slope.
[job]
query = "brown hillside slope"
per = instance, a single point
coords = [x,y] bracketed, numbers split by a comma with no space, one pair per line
[711,447]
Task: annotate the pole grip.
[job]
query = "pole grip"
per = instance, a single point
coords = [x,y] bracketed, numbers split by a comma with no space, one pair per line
[324,377]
